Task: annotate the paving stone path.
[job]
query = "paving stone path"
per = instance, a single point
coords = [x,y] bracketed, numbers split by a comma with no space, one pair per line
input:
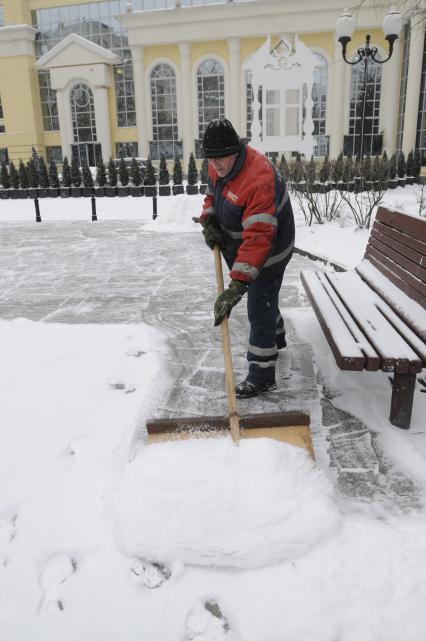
[115,272]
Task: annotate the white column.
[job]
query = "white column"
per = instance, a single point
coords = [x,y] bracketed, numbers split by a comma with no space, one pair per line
[186,95]
[140,100]
[413,84]
[235,82]
[388,103]
[338,101]
[103,129]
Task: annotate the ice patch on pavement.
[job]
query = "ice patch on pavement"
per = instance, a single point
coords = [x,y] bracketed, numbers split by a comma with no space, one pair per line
[208,502]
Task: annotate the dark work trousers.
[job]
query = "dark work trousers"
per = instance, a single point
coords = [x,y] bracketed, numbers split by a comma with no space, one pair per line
[267,332]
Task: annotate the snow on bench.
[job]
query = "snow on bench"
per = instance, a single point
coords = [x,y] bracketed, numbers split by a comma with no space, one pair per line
[374,317]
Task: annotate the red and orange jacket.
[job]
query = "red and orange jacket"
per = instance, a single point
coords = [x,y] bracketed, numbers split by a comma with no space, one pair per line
[252,206]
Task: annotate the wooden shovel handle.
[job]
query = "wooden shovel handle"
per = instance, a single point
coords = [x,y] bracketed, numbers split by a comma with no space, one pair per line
[234,420]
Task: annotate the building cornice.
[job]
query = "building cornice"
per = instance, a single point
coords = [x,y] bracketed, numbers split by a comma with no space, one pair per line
[17,40]
[238,19]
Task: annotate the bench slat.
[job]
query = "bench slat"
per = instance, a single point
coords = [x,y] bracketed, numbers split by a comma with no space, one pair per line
[403,239]
[345,349]
[411,225]
[400,284]
[401,277]
[405,307]
[412,266]
[372,359]
[415,342]
[362,302]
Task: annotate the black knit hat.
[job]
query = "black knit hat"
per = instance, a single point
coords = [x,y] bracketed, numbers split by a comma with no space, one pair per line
[220,139]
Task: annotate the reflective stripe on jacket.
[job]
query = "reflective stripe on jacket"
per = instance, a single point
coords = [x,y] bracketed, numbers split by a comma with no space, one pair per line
[253,208]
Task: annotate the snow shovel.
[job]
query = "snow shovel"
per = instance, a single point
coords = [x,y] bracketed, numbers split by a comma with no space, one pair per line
[290,426]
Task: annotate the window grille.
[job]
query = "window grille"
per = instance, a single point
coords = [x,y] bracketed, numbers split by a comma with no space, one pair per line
[319,98]
[126,149]
[421,120]
[54,153]
[83,114]
[49,105]
[372,106]
[164,112]
[210,93]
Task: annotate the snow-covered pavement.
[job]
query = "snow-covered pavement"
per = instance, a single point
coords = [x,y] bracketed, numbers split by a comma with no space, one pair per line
[103,538]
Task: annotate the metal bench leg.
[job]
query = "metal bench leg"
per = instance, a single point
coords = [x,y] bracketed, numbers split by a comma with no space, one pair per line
[402,399]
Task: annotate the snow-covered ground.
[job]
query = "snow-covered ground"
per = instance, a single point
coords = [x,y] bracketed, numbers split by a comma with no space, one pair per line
[195,541]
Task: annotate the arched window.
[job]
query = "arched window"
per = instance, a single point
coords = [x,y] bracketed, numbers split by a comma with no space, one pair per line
[83,114]
[372,109]
[319,97]
[164,113]
[211,95]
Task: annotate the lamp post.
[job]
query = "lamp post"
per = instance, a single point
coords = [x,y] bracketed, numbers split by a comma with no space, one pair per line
[345,26]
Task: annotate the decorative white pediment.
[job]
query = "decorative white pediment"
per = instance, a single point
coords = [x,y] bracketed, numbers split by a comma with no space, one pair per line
[76,50]
[283,77]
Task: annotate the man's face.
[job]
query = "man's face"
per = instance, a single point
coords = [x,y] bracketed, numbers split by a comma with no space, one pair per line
[223,166]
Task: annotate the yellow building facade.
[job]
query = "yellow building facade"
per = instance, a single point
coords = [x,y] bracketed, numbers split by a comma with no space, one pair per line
[89,78]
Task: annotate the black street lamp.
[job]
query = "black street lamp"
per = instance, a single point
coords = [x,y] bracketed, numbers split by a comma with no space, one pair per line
[345,26]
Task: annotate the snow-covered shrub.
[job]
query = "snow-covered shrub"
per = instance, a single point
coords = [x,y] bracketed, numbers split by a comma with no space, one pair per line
[392,171]
[417,164]
[410,164]
[33,177]
[75,173]
[164,177]
[192,170]
[337,169]
[101,175]
[4,176]
[123,172]
[135,173]
[66,173]
[43,174]
[401,165]
[112,173]
[150,178]
[177,171]
[53,175]
[23,176]
[87,175]
[13,175]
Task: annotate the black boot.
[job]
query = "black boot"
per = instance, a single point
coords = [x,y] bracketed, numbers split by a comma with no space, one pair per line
[281,342]
[246,389]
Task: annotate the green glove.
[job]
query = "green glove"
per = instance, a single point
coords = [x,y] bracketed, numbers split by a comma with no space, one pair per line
[228,299]
[212,233]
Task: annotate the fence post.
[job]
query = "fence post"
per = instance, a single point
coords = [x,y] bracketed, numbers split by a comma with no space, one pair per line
[94,217]
[154,207]
[37,210]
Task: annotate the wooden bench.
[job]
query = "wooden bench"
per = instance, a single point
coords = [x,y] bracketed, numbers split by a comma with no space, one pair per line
[374,316]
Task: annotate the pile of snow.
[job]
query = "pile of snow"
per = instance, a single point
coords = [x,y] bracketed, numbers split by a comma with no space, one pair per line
[175,214]
[208,502]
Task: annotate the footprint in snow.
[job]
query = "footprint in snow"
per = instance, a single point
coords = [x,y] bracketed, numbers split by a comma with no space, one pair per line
[206,621]
[136,353]
[7,534]
[149,575]
[121,385]
[53,579]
